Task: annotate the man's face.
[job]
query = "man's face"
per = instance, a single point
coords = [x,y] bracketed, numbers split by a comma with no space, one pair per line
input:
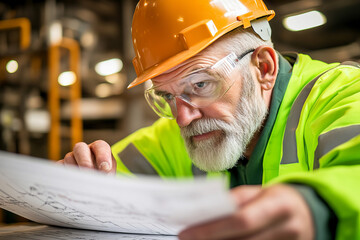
[216,136]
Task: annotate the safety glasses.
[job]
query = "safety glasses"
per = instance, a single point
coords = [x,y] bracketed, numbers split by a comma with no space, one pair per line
[199,88]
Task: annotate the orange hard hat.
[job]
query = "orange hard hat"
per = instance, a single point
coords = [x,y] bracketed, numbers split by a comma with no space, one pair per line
[168,32]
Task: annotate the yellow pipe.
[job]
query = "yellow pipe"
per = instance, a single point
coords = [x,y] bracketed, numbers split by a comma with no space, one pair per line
[54,96]
[75,90]
[25,29]
[54,104]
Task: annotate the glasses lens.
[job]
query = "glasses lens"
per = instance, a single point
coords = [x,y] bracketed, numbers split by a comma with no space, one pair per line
[200,88]
[161,107]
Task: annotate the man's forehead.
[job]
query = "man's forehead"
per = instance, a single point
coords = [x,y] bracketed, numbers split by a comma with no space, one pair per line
[172,72]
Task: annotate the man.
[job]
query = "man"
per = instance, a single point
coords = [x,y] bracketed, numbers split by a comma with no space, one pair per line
[244,110]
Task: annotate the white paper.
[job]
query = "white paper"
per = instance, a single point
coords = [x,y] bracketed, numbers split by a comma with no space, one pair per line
[43,232]
[52,194]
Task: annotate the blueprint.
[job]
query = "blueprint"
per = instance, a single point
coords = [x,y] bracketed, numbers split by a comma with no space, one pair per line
[43,232]
[67,196]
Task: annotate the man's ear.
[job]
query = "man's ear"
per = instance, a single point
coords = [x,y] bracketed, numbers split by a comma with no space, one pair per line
[265,61]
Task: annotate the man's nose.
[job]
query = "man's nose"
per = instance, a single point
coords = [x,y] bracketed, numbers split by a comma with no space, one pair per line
[186,113]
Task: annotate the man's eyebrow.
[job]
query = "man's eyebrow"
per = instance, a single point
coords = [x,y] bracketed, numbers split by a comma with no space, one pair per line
[160,93]
[206,70]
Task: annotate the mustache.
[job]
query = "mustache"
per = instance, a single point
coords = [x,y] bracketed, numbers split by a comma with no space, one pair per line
[202,126]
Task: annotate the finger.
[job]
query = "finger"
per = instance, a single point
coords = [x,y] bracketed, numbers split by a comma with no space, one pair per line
[267,208]
[293,228]
[214,229]
[277,204]
[69,159]
[259,213]
[103,157]
[83,155]
[243,194]
[60,162]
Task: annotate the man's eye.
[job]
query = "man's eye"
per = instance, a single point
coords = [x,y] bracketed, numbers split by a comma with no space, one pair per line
[204,89]
[200,84]
[165,95]
[168,97]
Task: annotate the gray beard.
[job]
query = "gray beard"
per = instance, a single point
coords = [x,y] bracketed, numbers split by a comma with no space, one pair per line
[222,152]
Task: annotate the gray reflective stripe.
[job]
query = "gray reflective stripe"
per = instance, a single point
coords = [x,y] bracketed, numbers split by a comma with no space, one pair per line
[135,161]
[351,63]
[289,141]
[332,139]
[197,171]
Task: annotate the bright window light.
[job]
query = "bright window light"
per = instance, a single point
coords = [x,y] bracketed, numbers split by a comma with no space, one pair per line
[109,67]
[67,78]
[12,66]
[304,21]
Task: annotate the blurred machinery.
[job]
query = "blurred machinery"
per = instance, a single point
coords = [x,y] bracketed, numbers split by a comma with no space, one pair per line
[18,118]
[63,68]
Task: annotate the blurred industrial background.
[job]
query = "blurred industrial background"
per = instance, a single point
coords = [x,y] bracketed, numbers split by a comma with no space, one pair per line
[65,65]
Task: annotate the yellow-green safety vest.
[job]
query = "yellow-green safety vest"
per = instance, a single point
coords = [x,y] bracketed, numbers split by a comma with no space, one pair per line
[315,141]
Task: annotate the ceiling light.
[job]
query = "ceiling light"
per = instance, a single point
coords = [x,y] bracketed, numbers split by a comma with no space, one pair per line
[103,90]
[109,67]
[116,78]
[304,21]
[55,33]
[12,66]
[67,78]
[37,120]
[88,39]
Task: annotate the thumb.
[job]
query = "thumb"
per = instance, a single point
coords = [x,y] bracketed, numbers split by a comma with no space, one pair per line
[244,194]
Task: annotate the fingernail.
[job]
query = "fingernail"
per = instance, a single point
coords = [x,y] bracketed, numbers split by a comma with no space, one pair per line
[104,166]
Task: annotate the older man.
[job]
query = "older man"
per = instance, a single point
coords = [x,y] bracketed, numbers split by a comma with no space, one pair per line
[245,110]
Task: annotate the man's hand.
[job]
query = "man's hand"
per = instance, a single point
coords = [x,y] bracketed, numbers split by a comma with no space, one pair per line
[276,212]
[96,155]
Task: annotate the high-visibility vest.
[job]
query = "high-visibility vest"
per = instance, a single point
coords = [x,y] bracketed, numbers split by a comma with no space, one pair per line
[316,138]
[315,141]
